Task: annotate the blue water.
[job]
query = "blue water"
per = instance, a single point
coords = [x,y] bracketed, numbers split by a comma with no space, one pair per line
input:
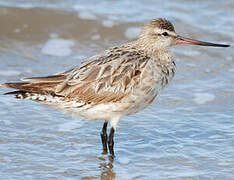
[187,133]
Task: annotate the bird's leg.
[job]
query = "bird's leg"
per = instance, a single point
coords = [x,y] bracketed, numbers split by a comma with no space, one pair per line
[104,137]
[111,141]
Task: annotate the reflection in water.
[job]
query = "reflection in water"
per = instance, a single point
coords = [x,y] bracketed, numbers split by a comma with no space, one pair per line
[106,168]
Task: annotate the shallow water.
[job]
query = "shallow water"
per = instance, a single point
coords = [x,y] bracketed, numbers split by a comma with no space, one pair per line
[187,133]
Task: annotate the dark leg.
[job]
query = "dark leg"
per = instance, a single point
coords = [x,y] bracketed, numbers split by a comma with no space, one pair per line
[104,137]
[111,141]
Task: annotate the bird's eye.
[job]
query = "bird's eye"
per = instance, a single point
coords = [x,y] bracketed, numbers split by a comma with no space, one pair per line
[165,34]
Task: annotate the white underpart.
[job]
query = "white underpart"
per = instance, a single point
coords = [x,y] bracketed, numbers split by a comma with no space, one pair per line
[107,112]
[111,111]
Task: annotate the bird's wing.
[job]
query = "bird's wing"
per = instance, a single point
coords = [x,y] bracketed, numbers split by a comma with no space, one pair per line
[105,78]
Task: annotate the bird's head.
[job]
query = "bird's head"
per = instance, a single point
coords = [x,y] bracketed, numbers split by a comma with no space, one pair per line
[160,34]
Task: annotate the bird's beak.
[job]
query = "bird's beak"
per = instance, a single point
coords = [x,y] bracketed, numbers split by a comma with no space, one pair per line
[183,40]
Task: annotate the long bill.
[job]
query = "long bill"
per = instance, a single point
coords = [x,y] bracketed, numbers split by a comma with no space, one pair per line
[183,40]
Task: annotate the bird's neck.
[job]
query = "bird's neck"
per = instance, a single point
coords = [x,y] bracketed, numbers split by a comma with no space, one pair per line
[161,54]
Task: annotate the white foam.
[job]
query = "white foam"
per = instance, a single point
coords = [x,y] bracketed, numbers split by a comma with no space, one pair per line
[202,98]
[26,6]
[58,47]
[7,122]
[132,32]
[76,124]
[95,37]
[191,65]
[86,15]
[54,35]
[79,7]
[108,23]
[123,160]
[9,73]
[229,58]
[208,70]
[231,70]
[17,30]
[25,25]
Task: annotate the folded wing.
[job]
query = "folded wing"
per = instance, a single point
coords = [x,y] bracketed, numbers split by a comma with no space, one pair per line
[105,78]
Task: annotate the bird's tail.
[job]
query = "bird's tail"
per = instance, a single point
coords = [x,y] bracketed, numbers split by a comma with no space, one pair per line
[35,85]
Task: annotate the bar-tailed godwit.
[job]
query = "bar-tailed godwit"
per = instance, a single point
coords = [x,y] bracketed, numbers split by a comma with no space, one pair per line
[117,82]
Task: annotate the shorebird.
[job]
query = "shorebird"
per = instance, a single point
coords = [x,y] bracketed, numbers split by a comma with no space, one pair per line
[117,82]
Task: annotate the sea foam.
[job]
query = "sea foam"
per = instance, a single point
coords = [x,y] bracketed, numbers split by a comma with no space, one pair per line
[202,98]
[58,47]
[132,32]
